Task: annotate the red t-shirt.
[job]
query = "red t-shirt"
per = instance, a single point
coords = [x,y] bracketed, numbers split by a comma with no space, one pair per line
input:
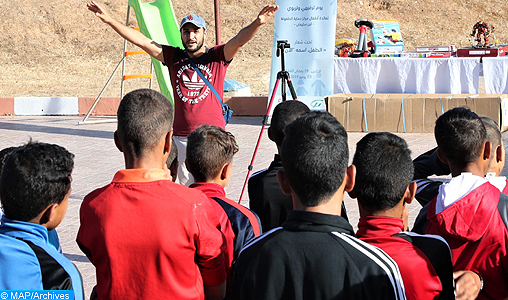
[195,103]
[150,238]
[423,260]
[238,223]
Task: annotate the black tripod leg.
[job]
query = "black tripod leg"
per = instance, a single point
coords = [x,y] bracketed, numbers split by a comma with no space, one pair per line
[283,91]
[283,75]
[291,88]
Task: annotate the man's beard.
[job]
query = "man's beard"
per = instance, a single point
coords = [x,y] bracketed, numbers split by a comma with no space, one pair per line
[198,46]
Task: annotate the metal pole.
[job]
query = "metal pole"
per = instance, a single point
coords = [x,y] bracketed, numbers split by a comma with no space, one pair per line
[124,50]
[217,21]
[102,92]
[265,121]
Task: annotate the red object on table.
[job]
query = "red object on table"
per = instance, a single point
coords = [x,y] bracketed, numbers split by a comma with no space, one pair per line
[501,50]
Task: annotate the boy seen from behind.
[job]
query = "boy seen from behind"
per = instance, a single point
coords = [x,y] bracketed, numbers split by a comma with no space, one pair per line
[429,164]
[314,255]
[469,212]
[210,152]
[52,234]
[148,237]
[383,187]
[497,155]
[34,190]
[265,196]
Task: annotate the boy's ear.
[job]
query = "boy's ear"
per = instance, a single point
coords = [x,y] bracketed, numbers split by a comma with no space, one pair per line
[487,150]
[46,215]
[350,178]
[410,193]
[283,182]
[167,142]
[53,215]
[441,156]
[227,171]
[117,141]
[50,217]
[351,192]
[500,153]
[270,134]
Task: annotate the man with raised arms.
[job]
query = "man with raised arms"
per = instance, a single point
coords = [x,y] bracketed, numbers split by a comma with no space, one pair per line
[195,103]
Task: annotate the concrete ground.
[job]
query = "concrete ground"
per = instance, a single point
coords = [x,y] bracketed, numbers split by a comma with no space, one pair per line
[97,160]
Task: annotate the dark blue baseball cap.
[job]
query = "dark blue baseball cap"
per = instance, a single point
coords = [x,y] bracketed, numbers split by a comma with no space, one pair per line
[194,19]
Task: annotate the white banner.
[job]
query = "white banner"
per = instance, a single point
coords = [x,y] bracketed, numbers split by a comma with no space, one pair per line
[309,28]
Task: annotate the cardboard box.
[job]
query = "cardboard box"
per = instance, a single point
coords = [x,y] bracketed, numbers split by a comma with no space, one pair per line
[382,111]
[386,37]
[441,54]
[410,112]
[413,54]
[385,55]
[500,50]
[441,48]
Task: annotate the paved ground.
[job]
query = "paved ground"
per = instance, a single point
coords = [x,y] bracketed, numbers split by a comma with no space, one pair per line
[97,160]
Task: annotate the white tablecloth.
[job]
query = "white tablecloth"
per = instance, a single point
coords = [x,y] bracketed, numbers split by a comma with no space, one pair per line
[495,74]
[407,75]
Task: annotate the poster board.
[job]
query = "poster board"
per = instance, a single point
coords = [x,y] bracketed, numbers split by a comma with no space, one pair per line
[309,27]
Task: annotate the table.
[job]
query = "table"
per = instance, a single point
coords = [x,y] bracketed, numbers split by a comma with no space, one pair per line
[457,75]
[495,74]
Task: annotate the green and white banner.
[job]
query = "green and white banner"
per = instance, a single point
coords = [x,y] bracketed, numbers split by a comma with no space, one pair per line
[309,28]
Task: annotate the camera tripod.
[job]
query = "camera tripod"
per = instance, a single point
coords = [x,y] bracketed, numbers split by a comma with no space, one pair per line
[281,75]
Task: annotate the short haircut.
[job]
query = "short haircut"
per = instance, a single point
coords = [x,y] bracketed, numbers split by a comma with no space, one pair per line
[315,157]
[460,135]
[144,117]
[283,114]
[4,154]
[209,148]
[493,132]
[35,176]
[384,169]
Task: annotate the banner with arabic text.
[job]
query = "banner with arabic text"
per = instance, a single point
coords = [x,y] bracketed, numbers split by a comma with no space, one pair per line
[309,28]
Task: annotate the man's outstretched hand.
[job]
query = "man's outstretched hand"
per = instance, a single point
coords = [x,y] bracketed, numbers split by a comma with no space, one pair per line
[266,13]
[132,35]
[98,11]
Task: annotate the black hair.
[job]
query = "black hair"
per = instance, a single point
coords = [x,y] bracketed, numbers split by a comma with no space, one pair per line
[315,156]
[4,154]
[460,135]
[209,148]
[283,114]
[173,154]
[144,117]
[35,176]
[384,169]
[493,136]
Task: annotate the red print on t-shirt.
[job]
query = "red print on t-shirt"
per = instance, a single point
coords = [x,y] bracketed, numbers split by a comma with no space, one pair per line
[190,87]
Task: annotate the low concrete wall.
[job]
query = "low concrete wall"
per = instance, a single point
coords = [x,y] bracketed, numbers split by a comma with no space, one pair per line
[107,106]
